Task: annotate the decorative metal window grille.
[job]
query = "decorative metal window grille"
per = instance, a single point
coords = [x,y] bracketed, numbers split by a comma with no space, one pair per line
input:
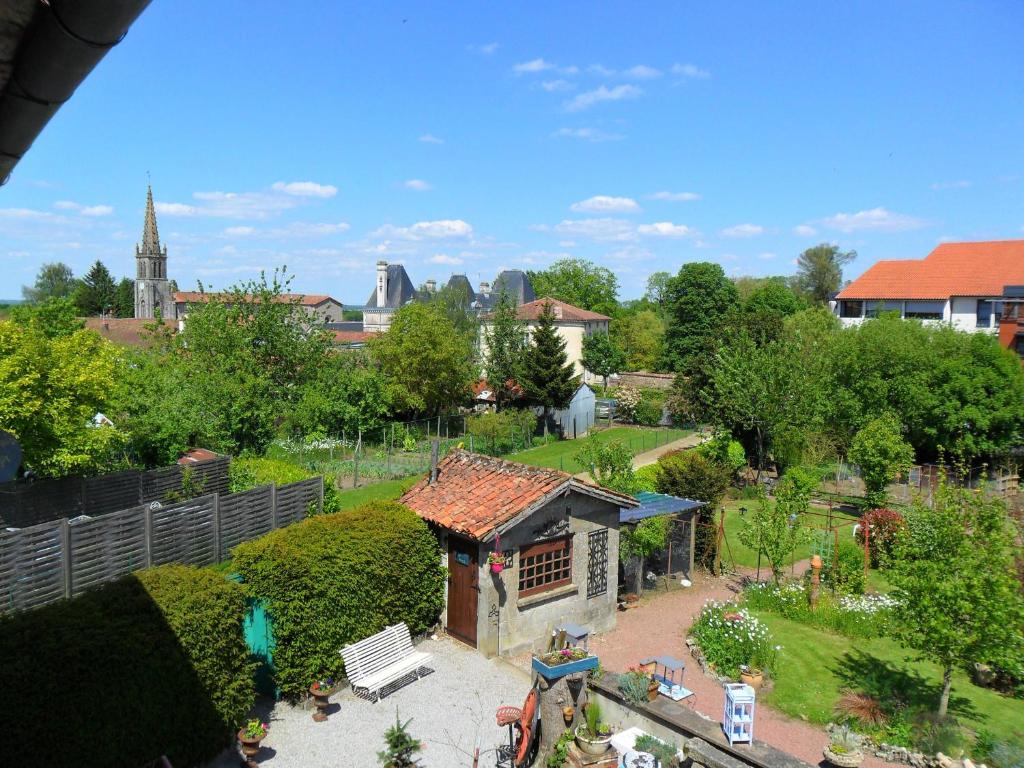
[545,566]
[597,563]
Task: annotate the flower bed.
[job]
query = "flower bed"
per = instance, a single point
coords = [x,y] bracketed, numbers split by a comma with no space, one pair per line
[729,637]
[851,615]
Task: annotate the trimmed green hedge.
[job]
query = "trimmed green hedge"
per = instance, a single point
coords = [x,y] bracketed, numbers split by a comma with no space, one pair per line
[249,471]
[152,664]
[334,579]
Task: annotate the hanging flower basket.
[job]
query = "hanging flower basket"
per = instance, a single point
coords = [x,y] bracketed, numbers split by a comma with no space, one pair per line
[497,567]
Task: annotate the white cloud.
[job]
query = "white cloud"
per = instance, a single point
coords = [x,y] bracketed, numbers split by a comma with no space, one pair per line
[557,85]
[804,230]
[961,184]
[665,229]
[605,204]
[534,65]
[174,209]
[310,229]
[601,69]
[587,134]
[629,253]
[642,72]
[601,229]
[486,49]
[675,197]
[873,220]
[28,214]
[305,189]
[239,231]
[429,138]
[418,185]
[690,71]
[444,258]
[600,94]
[743,230]
[441,229]
[85,210]
[767,255]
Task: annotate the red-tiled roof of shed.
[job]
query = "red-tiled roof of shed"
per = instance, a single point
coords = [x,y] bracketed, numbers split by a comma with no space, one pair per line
[563,311]
[474,494]
[952,269]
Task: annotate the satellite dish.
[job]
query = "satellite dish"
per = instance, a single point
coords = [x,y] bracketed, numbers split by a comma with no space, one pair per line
[10,457]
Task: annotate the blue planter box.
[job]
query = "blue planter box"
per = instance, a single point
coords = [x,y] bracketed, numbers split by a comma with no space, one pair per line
[561,670]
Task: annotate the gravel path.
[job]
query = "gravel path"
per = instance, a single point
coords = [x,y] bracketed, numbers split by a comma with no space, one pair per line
[452,711]
[659,626]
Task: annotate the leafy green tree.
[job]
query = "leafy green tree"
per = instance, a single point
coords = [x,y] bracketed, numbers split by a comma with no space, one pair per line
[124,298]
[610,463]
[55,280]
[51,386]
[657,288]
[820,270]
[882,454]
[957,597]
[548,378]
[429,363]
[53,318]
[578,282]
[778,528]
[698,300]
[641,336]
[505,340]
[502,432]
[96,293]
[346,393]
[691,475]
[763,311]
[639,542]
[602,356]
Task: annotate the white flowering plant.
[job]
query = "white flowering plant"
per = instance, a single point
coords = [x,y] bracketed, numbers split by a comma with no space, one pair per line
[851,615]
[730,638]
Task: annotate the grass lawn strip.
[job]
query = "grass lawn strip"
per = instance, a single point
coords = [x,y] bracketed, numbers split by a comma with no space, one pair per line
[562,454]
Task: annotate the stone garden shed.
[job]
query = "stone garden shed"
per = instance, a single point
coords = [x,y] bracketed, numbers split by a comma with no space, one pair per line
[559,542]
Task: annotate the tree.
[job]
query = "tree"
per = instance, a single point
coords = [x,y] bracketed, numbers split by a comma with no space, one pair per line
[578,282]
[610,464]
[428,362]
[124,298]
[346,393]
[640,335]
[548,378]
[763,311]
[698,299]
[602,356]
[777,528]
[690,475]
[657,288]
[54,281]
[882,454]
[957,597]
[505,340]
[96,293]
[820,270]
[53,318]
[51,386]
[640,542]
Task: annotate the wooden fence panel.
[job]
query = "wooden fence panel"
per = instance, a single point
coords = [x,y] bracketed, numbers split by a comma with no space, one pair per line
[213,474]
[32,566]
[244,516]
[26,505]
[111,492]
[158,484]
[294,500]
[184,533]
[106,547]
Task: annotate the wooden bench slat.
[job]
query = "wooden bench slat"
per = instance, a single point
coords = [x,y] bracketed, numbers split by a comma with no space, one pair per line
[383,658]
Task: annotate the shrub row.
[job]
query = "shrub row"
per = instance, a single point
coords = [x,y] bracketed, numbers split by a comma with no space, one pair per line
[152,664]
[334,579]
[250,471]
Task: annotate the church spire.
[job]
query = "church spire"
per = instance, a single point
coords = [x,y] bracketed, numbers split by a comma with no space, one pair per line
[150,236]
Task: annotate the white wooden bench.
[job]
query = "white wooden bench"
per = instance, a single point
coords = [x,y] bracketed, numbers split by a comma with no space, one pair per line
[382,659]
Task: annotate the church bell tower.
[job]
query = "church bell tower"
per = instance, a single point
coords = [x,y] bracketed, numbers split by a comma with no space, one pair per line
[152,288]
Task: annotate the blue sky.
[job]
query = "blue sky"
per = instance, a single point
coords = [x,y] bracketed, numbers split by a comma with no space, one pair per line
[458,137]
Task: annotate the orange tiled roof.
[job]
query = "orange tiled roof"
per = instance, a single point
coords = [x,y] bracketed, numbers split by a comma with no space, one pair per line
[474,494]
[196,297]
[952,269]
[125,331]
[563,311]
[351,337]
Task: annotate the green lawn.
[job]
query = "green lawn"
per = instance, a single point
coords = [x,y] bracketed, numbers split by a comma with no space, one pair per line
[387,490]
[816,666]
[561,455]
[747,557]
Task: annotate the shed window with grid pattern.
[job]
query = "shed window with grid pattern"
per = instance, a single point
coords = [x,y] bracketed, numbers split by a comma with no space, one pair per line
[545,566]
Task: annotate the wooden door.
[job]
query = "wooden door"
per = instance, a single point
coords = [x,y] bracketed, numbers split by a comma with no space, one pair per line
[463,589]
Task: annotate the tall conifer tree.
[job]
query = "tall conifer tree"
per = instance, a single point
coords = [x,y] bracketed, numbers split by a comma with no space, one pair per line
[548,379]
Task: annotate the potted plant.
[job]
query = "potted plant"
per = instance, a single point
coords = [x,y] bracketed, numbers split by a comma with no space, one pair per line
[400,746]
[321,691]
[844,749]
[635,685]
[250,736]
[593,737]
[752,676]
[495,559]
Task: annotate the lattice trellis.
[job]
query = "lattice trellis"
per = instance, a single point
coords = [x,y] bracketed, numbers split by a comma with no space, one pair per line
[597,563]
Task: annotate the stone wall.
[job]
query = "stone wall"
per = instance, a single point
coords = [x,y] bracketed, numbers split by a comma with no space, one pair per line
[646,380]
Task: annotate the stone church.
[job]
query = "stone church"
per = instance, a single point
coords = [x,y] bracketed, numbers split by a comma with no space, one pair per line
[152,288]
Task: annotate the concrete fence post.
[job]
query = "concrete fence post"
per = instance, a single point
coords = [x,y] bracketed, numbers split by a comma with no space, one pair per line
[65,546]
[216,528]
[147,516]
[273,506]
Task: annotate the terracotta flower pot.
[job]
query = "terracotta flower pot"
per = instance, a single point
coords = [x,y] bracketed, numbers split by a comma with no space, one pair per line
[568,713]
[250,747]
[753,677]
[321,700]
[652,690]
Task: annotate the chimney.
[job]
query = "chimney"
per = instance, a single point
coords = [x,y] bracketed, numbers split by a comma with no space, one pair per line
[431,286]
[435,450]
[485,289]
[382,283]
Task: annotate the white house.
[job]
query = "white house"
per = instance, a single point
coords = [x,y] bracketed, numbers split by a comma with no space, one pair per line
[957,283]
